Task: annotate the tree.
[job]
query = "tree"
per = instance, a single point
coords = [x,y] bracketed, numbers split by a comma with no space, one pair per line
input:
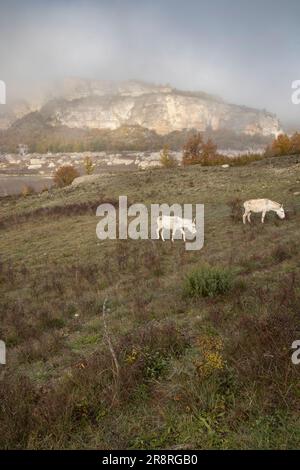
[65,175]
[295,143]
[282,145]
[166,159]
[192,150]
[196,151]
[88,166]
[209,151]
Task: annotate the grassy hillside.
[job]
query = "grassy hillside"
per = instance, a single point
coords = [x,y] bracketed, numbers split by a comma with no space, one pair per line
[192,372]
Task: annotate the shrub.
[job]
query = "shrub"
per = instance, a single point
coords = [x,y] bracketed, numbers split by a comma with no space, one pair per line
[208,281]
[27,191]
[283,252]
[192,150]
[211,348]
[45,189]
[166,160]
[197,151]
[65,175]
[282,145]
[235,206]
[295,143]
[244,159]
[241,160]
[209,152]
[89,166]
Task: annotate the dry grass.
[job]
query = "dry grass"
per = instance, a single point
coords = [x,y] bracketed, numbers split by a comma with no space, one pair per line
[206,372]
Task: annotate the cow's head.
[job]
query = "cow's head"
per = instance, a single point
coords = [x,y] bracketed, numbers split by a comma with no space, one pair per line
[280,212]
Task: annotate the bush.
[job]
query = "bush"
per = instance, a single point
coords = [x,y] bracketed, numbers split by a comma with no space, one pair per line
[27,191]
[282,145]
[192,151]
[283,252]
[197,151]
[89,166]
[235,206]
[241,160]
[208,281]
[244,159]
[166,160]
[65,175]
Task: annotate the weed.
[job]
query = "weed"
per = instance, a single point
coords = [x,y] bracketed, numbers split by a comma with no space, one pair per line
[208,281]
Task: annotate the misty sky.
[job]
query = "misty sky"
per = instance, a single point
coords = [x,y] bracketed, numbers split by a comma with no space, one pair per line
[248,52]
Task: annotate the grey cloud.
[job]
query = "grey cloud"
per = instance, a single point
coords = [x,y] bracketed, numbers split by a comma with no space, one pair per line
[247,52]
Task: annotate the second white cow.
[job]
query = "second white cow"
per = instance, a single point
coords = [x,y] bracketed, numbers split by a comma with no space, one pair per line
[263,206]
[174,223]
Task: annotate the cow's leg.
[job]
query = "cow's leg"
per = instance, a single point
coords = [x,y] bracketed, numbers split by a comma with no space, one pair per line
[162,234]
[157,232]
[263,217]
[173,233]
[244,216]
[183,234]
[249,217]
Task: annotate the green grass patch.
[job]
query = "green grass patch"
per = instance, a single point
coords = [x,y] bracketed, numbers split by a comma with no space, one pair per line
[208,281]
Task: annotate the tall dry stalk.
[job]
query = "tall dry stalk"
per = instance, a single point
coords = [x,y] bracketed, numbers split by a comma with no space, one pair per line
[116,367]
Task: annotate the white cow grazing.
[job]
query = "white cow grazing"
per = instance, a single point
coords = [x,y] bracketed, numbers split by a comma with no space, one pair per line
[264,206]
[174,223]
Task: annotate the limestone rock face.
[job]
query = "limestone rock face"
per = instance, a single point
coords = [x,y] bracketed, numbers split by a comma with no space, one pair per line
[164,113]
[93,104]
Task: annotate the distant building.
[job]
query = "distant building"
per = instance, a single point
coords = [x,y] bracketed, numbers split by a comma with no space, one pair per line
[22,149]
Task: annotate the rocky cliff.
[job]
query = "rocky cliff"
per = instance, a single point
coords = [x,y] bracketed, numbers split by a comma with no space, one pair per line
[93,104]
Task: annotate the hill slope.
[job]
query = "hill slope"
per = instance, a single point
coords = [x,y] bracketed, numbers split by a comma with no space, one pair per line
[207,373]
